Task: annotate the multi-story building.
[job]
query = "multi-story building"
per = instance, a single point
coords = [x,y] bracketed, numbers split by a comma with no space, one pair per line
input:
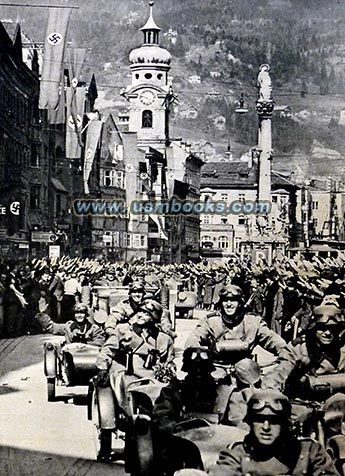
[24,165]
[157,166]
[237,182]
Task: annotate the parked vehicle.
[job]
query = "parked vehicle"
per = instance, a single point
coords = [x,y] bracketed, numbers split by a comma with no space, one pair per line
[185,305]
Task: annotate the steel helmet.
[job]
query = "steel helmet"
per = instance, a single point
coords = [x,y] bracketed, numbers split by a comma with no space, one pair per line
[328,314]
[79,307]
[230,291]
[268,403]
[153,308]
[137,286]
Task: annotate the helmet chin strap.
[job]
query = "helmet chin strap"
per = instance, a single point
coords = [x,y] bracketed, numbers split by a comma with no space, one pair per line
[234,320]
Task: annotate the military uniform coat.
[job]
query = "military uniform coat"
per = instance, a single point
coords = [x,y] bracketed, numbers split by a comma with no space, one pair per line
[86,333]
[252,330]
[304,357]
[125,311]
[113,350]
[238,460]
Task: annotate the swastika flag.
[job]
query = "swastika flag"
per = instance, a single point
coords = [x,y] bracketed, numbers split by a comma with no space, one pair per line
[92,139]
[75,101]
[54,47]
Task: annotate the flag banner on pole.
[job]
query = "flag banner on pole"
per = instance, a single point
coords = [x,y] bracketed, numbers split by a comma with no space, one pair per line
[92,137]
[58,116]
[75,99]
[75,58]
[54,47]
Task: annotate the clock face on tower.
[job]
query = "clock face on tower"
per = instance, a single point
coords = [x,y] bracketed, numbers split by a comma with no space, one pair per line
[147,97]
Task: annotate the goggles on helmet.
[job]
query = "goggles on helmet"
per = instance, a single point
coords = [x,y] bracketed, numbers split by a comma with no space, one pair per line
[231,298]
[273,405]
[324,326]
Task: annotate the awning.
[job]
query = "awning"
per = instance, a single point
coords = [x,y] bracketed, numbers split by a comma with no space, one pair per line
[58,185]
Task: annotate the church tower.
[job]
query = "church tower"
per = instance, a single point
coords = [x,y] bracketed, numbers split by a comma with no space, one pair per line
[150,65]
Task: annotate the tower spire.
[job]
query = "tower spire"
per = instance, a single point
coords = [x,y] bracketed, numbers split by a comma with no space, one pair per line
[151,3]
[150,29]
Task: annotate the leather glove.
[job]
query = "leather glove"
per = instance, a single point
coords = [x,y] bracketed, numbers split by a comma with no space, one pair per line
[102,378]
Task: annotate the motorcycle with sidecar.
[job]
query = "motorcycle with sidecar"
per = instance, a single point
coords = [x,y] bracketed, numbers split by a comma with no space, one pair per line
[122,411]
[202,430]
[121,406]
[68,364]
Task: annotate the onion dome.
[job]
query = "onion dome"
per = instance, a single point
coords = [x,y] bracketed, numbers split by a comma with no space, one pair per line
[150,51]
[150,54]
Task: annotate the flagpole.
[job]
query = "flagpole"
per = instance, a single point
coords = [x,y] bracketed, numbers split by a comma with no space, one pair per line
[37,6]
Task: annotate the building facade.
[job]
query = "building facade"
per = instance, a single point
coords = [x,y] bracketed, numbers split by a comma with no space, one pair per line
[236,184]
[23,150]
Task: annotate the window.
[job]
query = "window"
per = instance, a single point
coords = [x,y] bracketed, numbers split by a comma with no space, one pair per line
[136,241]
[114,178]
[241,197]
[116,238]
[206,219]
[274,199]
[223,196]
[223,242]
[107,178]
[242,220]
[119,179]
[118,152]
[148,75]
[142,241]
[315,205]
[127,240]
[35,197]
[35,158]
[147,121]
[206,238]
[224,219]
[315,222]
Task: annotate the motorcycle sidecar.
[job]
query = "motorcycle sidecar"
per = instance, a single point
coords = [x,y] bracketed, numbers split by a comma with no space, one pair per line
[72,364]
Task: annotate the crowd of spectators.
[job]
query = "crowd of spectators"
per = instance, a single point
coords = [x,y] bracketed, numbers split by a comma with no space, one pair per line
[283,293]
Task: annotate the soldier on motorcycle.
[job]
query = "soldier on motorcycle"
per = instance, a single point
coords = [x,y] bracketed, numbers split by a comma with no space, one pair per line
[270,449]
[231,333]
[80,329]
[320,351]
[142,339]
[126,310]
[198,396]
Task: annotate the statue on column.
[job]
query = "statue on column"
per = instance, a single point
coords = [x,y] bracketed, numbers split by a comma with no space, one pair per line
[264,84]
[264,103]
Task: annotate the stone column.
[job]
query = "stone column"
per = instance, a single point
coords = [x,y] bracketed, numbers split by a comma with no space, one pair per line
[264,106]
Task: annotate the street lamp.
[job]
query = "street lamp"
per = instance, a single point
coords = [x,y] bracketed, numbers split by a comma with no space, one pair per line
[241,108]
